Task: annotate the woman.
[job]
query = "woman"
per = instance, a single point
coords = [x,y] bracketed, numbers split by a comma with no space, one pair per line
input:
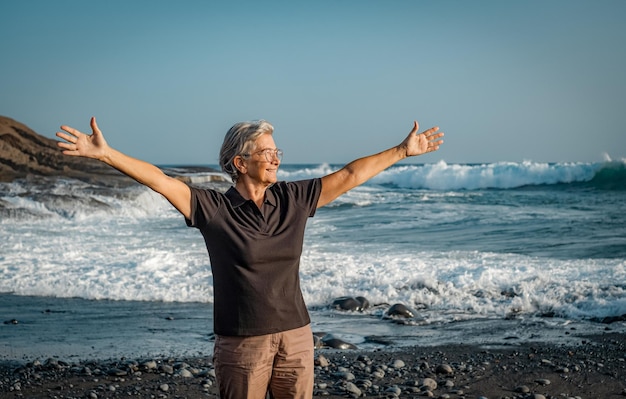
[254,234]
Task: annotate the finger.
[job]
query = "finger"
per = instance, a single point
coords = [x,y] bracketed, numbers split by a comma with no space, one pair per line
[66,146]
[430,131]
[66,137]
[434,146]
[71,130]
[435,136]
[94,126]
[416,127]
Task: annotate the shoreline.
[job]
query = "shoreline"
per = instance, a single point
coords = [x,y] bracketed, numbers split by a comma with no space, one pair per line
[77,348]
[593,367]
[78,330]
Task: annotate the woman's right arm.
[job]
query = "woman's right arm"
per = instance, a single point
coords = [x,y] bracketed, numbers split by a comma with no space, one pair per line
[95,146]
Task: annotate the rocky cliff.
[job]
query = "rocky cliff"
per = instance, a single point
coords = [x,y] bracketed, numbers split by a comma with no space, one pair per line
[24,153]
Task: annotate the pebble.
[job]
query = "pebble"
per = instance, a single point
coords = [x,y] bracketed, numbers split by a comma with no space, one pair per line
[379,374]
[353,389]
[345,375]
[522,389]
[547,362]
[149,365]
[428,384]
[185,373]
[444,369]
[117,372]
[322,361]
[366,384]
[394,390]
[166,368]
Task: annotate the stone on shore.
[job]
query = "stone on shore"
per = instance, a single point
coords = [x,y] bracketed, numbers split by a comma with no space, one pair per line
[354,304]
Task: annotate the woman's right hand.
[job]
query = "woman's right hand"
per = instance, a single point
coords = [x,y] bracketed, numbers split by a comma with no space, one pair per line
[83,145]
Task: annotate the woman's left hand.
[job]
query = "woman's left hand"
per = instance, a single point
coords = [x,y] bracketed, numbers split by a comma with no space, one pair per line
[422,143]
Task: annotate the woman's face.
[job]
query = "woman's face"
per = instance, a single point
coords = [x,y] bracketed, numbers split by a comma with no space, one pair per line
[262,165]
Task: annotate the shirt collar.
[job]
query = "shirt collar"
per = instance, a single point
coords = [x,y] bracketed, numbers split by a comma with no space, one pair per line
[237,200]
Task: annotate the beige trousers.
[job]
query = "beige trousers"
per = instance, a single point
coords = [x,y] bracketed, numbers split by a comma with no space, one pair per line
[250,367]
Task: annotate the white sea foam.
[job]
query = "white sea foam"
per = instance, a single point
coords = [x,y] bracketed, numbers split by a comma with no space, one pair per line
[306,172]
[120,262]
[469,283]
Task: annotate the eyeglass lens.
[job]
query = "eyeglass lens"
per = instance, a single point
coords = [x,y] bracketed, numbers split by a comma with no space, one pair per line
[270,154]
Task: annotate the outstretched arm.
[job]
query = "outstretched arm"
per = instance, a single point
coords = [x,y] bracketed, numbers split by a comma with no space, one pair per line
[95,146]
[361,170]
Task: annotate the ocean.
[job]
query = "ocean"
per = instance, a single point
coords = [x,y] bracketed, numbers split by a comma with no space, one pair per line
[488,253]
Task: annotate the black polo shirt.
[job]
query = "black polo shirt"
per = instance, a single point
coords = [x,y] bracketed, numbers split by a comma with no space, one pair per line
[255,255]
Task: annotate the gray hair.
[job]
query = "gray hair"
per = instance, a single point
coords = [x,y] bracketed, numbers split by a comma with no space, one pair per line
[240,140]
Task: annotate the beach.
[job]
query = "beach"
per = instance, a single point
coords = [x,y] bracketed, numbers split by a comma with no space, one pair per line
[77,348]
[512,276]
[595,367]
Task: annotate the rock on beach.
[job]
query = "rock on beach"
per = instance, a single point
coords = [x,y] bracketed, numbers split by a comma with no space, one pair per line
[355,304]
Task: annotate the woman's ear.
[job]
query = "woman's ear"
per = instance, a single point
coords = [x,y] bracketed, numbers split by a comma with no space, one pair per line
[240,164]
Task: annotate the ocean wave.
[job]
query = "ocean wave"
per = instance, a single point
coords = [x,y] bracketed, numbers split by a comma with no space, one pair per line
[472,283]
[611,176]
[65,199]
[69,199]
[505,175]
[463,284]
[442,176]
[302,172]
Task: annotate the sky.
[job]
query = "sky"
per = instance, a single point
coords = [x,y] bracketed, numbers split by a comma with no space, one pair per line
[541,81]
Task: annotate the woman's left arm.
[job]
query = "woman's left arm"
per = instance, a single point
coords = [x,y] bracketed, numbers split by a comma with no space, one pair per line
[361,170]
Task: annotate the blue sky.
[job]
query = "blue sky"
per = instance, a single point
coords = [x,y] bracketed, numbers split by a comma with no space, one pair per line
[530,80]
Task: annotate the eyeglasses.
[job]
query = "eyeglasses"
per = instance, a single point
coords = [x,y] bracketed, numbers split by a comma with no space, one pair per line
[269,153]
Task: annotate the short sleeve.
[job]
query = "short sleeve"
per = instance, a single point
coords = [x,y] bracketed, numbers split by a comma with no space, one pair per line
[306,194]
[204,205]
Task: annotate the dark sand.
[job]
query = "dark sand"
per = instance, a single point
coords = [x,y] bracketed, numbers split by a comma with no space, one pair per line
[593,367]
